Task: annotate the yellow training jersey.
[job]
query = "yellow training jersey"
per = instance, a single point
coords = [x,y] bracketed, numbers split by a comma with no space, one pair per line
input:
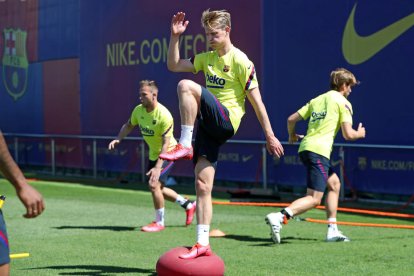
[326,113]
[154,125]
[228,77]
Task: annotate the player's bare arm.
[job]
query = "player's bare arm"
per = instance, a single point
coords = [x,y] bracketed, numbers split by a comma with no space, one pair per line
[351,134]
[174,62]
[178,24]
[30,197]
[273,145]
[125,130]
[291,126]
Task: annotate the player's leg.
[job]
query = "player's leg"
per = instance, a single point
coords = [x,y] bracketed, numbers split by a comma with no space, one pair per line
[297,207]
[189,94]
[204,172]
[170,195]
[188,205]
[5,269]
[214,128]
[4,248]
[155,188]
[317,168]
[332,196]
[317,172]
[309,201]
[331,204]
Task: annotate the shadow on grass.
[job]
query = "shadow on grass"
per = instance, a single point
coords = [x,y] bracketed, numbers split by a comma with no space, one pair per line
[179,226]
[97,270]
[245,238]
[111,228]
[265,241]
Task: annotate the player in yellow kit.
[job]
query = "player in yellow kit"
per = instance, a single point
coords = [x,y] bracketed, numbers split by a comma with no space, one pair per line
[156,125]
[218,107]
[327,113]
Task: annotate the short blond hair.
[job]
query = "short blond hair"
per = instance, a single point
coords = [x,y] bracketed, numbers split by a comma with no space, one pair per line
[342,76]
[219,19]
[151,84]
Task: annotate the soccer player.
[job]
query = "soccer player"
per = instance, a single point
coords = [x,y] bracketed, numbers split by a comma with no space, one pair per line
[156,125]
[30,197]
[327,113]
[219,107]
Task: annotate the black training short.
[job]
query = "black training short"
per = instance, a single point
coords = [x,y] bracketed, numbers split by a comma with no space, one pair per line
[214,127]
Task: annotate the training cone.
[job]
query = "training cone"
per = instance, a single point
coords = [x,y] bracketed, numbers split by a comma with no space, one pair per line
[216,233]
[169,264]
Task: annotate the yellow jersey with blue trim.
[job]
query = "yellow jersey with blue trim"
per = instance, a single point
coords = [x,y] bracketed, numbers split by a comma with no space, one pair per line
[326,113]
[228,78]
[154,126]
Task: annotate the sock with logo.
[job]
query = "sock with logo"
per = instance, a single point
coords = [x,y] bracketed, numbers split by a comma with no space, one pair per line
[332,226]
[159,216]
[186,135]
[203,232]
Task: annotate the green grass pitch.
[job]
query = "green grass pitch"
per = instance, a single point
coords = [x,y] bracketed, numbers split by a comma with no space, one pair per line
[88,230]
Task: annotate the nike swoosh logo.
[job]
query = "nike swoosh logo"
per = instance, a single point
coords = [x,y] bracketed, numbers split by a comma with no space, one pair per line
[358,49]
[247,158]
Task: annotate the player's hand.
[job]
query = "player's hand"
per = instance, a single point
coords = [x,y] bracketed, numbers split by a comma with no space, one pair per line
[361,131]
[178,24]
[274,147]
[113,143]
[32,200]
[295,138]
[154,174]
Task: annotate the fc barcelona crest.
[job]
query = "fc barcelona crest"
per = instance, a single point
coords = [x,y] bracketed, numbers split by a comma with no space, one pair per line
[362,163]
[15,62]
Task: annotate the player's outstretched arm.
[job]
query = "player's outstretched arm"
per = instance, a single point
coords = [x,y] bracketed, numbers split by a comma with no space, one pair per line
[125,130]
[29,196]
[174,62]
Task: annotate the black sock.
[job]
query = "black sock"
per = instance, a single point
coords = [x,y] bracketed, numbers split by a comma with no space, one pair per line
[285,213]
[186,204]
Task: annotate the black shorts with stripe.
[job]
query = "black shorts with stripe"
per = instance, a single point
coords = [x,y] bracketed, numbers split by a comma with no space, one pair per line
[4,242]
[214,127]
[165,171]
[318,170]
